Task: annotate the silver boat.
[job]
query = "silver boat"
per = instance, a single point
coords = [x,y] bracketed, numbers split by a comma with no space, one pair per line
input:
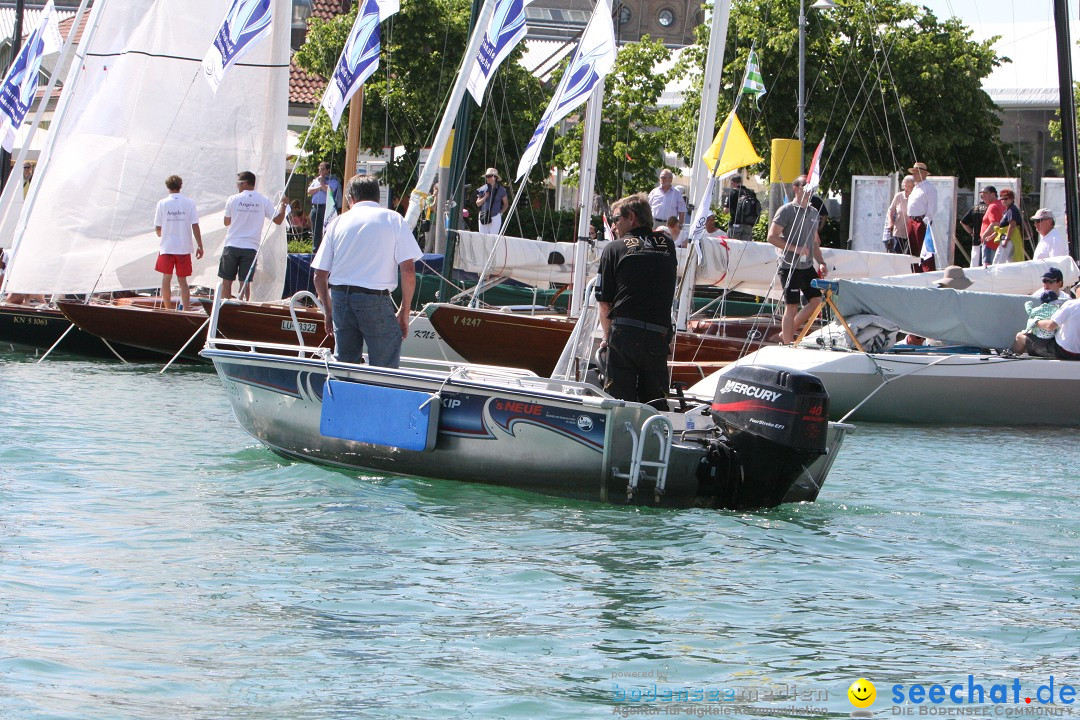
[509,427]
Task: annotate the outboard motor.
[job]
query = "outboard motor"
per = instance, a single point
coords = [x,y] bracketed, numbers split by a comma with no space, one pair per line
[775,422]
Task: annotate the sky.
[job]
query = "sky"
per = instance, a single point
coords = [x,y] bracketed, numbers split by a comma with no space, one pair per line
[1027,30]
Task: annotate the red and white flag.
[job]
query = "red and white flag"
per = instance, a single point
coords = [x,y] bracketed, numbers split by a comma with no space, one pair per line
[813,175]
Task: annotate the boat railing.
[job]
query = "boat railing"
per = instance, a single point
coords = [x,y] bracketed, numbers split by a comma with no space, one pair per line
[303,294]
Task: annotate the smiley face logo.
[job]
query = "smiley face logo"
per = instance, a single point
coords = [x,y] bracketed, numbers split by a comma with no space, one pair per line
[862,693]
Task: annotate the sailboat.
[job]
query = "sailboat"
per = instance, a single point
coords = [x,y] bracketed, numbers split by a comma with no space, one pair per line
[962,382]
[140,112]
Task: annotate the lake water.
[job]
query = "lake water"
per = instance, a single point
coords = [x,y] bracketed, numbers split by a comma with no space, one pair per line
[156,562]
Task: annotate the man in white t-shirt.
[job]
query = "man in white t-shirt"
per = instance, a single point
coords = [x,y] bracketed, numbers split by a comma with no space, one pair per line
[175,221]
[357,268]
[244,215]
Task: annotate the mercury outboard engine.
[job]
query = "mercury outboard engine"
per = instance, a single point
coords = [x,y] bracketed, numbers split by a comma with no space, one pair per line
[775,422]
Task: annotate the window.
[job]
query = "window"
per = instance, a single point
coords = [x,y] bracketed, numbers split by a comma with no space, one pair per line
[666,17]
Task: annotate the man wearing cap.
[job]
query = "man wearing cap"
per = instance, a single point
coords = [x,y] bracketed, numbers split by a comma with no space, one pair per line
[635,292]
[666,200]
[357,268]
[1053,281]
[492,199]
[794,231]
[920,210]
[1051,242]
[711,228]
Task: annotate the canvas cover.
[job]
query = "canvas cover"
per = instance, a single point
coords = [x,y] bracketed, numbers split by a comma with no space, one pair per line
[958,317]
[1022,278]
[139,113]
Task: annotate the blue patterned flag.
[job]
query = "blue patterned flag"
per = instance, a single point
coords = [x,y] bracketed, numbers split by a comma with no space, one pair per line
[359,58]
[21,82]
[928,244]
[503,34]
[593,59]
[753,83]
[245,23]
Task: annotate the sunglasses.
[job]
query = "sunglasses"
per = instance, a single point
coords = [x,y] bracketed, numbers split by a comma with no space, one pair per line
[1050,280]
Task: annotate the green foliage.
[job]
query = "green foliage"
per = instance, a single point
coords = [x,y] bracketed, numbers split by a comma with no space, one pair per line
[301,246]
[925,103]
[631,143]
[1057,162]
[422,47]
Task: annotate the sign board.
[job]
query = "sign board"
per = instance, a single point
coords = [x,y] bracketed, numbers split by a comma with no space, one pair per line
[1053,198]
[871,196]
[944,219]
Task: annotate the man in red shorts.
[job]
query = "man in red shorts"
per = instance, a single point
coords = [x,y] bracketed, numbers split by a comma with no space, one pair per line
[175,221]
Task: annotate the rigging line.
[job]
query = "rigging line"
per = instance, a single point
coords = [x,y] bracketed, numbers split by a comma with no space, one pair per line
[165,56]
[896,95]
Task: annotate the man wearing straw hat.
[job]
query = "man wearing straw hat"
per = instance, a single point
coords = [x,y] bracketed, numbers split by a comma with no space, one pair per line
[493,201]
[921,204]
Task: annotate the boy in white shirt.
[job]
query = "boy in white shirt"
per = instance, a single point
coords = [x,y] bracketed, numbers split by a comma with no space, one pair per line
[244,214]
[175,221]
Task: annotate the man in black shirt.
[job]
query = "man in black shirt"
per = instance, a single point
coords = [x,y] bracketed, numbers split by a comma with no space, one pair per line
[743,208]
[635,293]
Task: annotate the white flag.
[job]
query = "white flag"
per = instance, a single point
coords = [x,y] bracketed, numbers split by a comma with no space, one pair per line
[21,82]
[503,34]
[359,58]
[245,23]
[593,59]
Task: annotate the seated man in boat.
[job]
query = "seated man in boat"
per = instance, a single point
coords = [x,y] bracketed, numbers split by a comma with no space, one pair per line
[356,269]
[794,230]
[244,214]
[176,221]
[635,293]
[1065,343]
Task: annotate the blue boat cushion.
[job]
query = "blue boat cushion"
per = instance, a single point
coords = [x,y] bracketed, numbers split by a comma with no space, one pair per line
[379,415]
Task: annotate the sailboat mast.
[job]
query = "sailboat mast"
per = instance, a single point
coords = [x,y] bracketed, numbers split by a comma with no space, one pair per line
[1068,125]
[710,91]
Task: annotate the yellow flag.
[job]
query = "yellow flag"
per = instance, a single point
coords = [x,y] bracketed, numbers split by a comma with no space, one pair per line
[738,152]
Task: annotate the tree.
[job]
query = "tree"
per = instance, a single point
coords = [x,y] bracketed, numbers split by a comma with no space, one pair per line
[887,83]
[631,147]
[422,46]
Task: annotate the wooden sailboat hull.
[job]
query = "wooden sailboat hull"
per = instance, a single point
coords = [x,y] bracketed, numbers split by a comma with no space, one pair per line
[41,327]
[534,342]
[161,332]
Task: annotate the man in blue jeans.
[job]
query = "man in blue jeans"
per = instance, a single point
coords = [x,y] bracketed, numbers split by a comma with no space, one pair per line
[356,269]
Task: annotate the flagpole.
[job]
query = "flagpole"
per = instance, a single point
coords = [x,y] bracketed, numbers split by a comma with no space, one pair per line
[431,169]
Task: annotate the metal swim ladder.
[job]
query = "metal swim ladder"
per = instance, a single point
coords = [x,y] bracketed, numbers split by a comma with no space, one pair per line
[661,427]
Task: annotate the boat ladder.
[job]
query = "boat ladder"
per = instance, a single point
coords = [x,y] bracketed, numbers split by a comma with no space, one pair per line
[660,427]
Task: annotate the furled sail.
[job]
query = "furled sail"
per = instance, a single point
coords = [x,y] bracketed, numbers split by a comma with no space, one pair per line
[139,113]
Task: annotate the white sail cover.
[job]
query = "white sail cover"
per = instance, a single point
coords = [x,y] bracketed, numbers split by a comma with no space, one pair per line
[534,262]
[138,114]
[750,267]
[1022,278]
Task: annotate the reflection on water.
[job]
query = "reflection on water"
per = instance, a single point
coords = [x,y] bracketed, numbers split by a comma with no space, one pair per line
[153,557]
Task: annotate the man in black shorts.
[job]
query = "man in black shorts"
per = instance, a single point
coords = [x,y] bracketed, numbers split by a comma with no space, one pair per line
[794,230]
[635,293]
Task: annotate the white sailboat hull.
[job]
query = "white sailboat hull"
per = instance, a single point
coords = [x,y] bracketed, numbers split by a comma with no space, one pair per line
[955,389]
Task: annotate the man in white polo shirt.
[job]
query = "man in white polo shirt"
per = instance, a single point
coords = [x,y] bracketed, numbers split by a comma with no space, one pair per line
[357,268]
[175,221]
[244,214]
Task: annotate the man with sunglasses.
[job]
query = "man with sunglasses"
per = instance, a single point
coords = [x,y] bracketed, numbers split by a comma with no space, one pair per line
[1051,242]
[794,230]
